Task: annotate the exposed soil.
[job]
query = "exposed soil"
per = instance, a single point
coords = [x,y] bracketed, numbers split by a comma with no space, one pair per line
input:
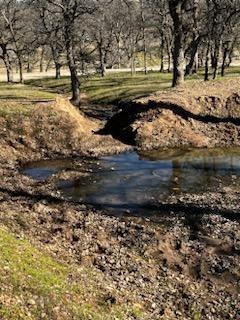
[52,130]
[198,115]
[184,268]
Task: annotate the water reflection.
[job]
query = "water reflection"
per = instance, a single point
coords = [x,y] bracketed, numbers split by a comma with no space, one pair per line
[131,181]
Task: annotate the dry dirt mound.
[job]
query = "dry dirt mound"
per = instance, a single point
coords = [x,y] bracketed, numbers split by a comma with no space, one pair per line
[53,129]
[218,99]
[199,115]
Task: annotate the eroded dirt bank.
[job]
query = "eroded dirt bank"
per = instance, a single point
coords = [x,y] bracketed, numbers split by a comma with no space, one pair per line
[176,268]
[50,130]
[198,115]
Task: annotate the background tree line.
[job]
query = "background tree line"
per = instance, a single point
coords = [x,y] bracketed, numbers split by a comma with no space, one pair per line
[180,36]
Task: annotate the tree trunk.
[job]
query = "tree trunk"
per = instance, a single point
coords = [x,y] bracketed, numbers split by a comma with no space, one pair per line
[48,65]
[144,38]
[169,55]
[8,67]
[178,62]
[75,84]
[225,54]
[102,62]
[201,60]
[58,70]
[145,56]
[20,69]
[206,76]
[216,59]
[56,59]
[194,50]
[196,63]
[119,53]
[7,63]
[162,54]
[133,63]
[28,64]
[178,49]
[17,50]
[41,61]
[230,57]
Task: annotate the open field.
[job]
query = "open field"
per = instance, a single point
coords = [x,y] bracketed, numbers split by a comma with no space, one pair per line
[115,88]
[17,99]
[119,87]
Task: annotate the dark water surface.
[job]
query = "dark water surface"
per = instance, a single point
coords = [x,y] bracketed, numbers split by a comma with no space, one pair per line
[132,181]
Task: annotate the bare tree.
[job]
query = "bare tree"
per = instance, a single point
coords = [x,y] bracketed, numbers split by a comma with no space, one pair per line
[69,14]
[101,30]
[177,11]
[13,12]
[50,33]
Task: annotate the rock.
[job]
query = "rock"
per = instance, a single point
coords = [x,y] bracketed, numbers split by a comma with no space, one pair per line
[31,302]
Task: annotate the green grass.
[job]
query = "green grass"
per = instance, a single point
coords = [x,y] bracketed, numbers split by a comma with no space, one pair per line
[20,99]
[21,92]
[119,87]
[111,89]
[124,87]
[34,284]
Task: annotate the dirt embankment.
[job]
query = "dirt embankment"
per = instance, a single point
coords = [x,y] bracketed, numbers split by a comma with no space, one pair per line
[51,130]
[198,115]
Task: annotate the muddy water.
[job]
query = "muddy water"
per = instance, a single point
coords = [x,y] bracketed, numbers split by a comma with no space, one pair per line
[133,181]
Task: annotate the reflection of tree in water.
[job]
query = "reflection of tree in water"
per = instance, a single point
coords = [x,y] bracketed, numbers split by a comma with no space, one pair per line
[176,177]
[202,173]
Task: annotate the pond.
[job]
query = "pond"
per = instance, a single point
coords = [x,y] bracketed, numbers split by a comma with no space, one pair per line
[132,181]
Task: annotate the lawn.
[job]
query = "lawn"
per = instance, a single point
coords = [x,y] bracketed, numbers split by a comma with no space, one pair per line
[14,91]
[118,87]
[20,99]
[111,89]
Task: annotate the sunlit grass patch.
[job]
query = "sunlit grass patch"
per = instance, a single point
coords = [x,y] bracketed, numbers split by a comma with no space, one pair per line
[34,285]
[117,87]
[11,108]
[113,88]
[14,91]
[18,99]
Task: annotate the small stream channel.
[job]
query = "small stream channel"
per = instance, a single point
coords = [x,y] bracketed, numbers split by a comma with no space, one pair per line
[131,181]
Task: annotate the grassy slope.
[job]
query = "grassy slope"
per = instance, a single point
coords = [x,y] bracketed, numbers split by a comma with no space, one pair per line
[24,93]
[118,87]
[34,285]
[20,99]
[111,89]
